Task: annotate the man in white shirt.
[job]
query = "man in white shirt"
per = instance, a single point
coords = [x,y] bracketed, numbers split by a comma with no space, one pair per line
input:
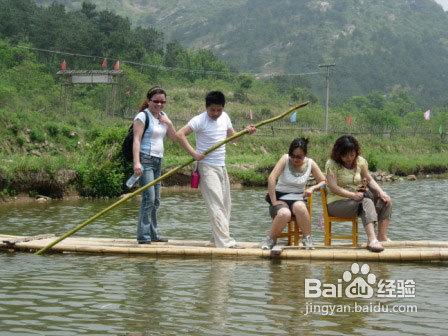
[211,127]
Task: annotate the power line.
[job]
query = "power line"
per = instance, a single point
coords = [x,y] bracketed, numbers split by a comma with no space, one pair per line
[161,67]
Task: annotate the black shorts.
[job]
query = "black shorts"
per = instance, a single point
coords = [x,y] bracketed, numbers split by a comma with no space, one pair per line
[273,209]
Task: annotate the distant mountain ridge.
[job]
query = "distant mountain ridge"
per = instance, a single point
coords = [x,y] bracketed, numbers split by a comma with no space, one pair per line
[376,45]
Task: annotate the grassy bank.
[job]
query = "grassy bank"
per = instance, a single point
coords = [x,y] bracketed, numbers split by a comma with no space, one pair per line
[93,167]
[48,149]
[251,160]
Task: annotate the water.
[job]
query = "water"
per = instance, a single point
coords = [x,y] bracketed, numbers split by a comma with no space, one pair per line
[120,295]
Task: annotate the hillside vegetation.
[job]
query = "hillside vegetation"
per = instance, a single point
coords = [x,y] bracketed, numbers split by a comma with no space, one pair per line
[376,45]
[47,149]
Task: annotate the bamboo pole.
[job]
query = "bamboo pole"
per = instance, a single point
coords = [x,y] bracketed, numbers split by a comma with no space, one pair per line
[167,174]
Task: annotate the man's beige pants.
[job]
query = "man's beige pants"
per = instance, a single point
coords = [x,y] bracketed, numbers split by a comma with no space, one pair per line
[215,188]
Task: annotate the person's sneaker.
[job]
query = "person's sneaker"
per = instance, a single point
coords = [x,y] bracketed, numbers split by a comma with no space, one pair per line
[237,246]
[307,243]
[268,243]
[160,240]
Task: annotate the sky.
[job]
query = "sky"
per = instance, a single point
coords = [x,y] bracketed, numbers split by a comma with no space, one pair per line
[444,3]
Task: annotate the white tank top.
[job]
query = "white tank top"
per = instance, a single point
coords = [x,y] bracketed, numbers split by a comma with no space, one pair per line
[293,183]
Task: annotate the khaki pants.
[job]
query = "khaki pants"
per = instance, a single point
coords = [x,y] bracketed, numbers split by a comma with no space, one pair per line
[215,189]
[371,209]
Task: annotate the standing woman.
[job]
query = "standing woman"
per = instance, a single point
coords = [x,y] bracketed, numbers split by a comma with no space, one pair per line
[288,195]
[147,152]
[353,191]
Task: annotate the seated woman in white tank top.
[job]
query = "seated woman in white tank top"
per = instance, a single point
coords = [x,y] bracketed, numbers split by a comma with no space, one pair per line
[287,192]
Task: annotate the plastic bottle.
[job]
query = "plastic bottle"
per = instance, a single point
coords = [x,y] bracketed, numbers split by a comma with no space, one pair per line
[132,180]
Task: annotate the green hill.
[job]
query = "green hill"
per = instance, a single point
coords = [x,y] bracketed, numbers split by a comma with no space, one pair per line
[53,146]
[376,45]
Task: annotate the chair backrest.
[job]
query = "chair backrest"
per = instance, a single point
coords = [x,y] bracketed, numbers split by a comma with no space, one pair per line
[323,194]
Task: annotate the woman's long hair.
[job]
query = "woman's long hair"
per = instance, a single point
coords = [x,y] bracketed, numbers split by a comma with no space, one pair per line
[344,145]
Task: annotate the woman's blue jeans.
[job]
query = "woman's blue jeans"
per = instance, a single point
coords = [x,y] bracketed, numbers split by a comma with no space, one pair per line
[147,220]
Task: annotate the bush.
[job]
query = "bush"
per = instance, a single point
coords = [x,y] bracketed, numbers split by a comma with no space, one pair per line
[66,130]
[103,172]
[372,160]
[99,181]
[240,95]
[37,135]
[250,178]
[53,130]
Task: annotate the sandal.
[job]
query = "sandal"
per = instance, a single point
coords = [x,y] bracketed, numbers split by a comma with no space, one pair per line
[375,246]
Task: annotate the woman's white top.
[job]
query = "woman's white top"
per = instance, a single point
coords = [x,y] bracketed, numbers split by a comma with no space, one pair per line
[293,182]
[152,139]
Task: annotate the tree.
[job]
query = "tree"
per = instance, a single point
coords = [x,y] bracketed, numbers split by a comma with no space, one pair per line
[173,51]
[89,10]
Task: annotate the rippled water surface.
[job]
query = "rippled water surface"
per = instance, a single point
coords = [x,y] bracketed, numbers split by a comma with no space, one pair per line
[106,295]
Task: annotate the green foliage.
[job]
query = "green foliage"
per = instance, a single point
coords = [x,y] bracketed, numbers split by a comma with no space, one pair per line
[35,125]
[379,112]
[265,113]
[375,45]
[21,140]
[240,95]
[245,82]
[37,135]
[102,173]
[303,94]
[249,178]
[53,130]
[102,180]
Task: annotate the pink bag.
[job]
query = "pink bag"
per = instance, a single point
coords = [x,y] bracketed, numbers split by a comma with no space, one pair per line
[195,178]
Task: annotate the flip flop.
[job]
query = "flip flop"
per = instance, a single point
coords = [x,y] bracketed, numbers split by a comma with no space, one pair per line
[375,246]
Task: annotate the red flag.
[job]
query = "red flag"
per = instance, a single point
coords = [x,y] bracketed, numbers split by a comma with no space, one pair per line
[63,65]
[104,63]
[349,120]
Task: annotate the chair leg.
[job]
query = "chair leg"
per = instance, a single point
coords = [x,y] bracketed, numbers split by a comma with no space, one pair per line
[296,234]
[327,240]
[290,232]
[355,233]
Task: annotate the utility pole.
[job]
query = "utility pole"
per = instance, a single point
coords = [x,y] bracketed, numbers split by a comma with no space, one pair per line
[327,82]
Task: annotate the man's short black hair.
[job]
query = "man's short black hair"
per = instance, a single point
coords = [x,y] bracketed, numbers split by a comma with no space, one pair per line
[215,97]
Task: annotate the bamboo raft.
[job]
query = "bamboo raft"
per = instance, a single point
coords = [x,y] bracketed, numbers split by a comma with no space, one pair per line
[397,251]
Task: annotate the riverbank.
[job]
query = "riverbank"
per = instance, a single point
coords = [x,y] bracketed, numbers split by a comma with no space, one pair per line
[26,198]
[97,170]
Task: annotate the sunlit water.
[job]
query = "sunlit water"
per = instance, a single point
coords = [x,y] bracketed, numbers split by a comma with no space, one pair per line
[105,295]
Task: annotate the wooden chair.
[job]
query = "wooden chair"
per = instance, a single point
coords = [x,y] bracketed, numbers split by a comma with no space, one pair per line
[293,232]
[328,221]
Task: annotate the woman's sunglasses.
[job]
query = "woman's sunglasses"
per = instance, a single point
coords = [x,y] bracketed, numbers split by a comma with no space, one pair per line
[159,101]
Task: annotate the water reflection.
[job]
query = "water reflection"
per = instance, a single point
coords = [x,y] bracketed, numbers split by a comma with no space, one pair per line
[71,294]
[118,295]
[214,301]
[417,215]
